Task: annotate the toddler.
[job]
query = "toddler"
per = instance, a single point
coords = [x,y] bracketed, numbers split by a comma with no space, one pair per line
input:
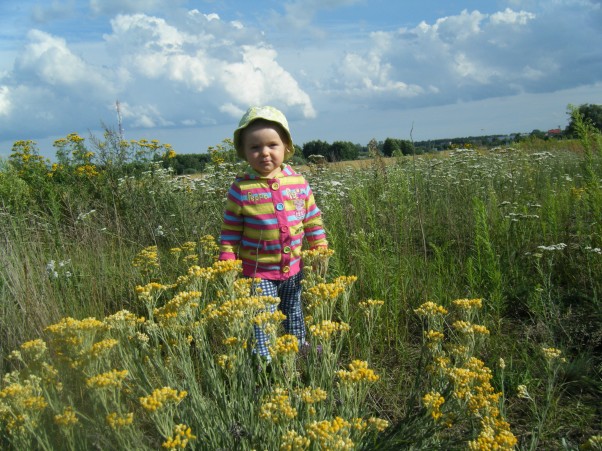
[270,208]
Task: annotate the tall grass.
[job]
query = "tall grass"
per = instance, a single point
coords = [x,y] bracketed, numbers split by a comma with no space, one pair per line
[516,228]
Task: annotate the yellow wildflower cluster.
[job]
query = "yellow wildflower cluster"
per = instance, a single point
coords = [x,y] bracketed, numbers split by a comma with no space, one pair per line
[67,418]
[433,337]
[67,326]
[293,441]
[323,292]
[469,377]
[209,247]
[358,372]
[468,304]
[242,287]
[34,349]
[122,319]
[178,305]
[494,434]
[147,259]
[226,361]
[102,347]
[311,395]
[466,327]
[429,308]
[552,354]
[182,435]
[378,424]
[269,317]
[235,341]
[116,420]
[326,328]
[371,303]
[433,402]
[238,308]
[21,403]
[331,434]
[319,252]
[109,379]
[160,397]
[277,407]
[285,345]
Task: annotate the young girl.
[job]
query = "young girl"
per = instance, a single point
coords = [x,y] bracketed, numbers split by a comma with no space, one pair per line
[270,208]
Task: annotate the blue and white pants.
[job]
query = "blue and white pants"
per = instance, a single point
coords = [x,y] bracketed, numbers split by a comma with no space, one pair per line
[289,292]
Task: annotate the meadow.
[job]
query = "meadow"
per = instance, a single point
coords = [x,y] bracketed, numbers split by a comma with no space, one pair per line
[458,306]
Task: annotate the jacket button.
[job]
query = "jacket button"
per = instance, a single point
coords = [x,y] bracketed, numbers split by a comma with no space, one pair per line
[279,207]
[286,249]
[286,269]
[284,229]
[275,186]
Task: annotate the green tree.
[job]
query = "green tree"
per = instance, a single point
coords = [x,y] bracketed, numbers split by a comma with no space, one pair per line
[316,147]
[590,113]
[343,150]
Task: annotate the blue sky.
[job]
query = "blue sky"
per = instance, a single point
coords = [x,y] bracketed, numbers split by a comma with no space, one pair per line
[184,71]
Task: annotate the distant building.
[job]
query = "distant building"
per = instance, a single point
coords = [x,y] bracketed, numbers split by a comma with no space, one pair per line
[555,132]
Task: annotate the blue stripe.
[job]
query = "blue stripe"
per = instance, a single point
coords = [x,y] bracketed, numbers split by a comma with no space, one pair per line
[259,265]
[233,218]
[261,221]
[293,218]
[315,232]
[272,247]
[229,237]
[235,195]
[312,213]
[249,244]
[295,242]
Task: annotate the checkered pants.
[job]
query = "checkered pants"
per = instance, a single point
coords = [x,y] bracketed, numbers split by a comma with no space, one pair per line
[289,292]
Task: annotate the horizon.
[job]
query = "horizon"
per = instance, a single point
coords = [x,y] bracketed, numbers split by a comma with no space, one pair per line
[184,71]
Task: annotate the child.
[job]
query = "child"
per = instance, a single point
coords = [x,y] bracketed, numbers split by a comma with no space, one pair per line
[270,208]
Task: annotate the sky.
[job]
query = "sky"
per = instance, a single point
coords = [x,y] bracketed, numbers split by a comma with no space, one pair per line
[185,71]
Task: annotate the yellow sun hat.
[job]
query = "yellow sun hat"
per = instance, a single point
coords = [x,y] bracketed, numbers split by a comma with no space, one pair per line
[267,113]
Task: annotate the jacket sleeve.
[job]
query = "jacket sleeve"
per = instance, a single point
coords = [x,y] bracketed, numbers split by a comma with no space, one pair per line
[232,226]
[312,224]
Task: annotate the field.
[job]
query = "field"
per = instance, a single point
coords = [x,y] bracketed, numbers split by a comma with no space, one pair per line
[459,307]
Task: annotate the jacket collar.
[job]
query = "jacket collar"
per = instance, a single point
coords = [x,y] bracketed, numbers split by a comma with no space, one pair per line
[252,174]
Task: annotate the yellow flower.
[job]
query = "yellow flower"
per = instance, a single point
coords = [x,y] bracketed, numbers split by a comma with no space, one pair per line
[311,395]
[116,420]
[433,402]
[67,418]
[111,379]
[102,347]
[326,328]
[523,392]
[286,344]
[35,348]
[161,397]
[293,441]
[378,424]
[429,308]
[358,372]
[182,435]
[551,353]
[332,434]
[468,304]
[277,407]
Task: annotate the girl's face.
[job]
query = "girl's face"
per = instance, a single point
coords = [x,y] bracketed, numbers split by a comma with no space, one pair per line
[264,148]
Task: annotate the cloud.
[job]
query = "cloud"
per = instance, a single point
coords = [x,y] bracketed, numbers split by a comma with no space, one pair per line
[111,7]
[5,104]
[47,61]
[191,69]
[468,56]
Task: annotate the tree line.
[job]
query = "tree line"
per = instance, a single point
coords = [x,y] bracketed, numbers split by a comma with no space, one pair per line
[390,147]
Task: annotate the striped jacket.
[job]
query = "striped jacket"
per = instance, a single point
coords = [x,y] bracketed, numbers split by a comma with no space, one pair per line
[265,222]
